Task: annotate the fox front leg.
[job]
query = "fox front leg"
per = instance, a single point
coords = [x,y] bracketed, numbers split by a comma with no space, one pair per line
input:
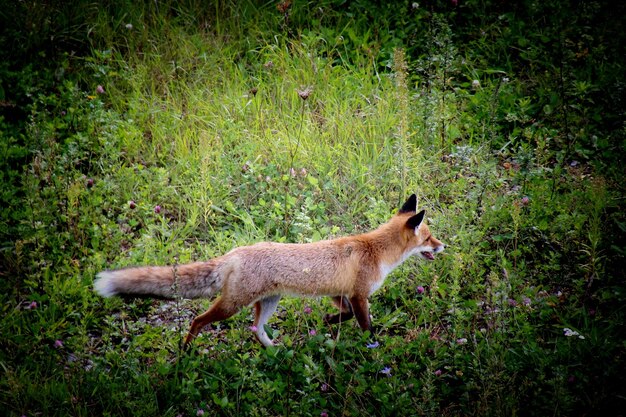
[360,307]
[345,311]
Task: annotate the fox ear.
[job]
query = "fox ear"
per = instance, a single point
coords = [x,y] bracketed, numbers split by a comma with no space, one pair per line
[416,220]
[410,206]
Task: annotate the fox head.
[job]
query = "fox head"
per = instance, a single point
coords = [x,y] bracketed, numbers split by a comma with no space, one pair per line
[420,241]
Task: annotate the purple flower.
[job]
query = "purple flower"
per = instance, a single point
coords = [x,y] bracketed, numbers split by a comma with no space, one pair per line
[307,310]
[526,301]
[58,344]
[304,94]
[132,204]
[386,370]
[372,345]
[89,182]
[324,387]
[100,89]
[525,200]
[420,290]
[323,414]
[254,328]
[312,332]
[512,302]
[157,209]
[200,412]
[461,341]
[438,372]
[32,305]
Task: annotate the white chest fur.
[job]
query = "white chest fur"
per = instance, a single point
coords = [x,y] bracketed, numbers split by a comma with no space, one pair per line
[385,269]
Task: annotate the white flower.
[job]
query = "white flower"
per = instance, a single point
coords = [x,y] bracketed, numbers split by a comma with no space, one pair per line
[569,333]
[129,26]
[475,84]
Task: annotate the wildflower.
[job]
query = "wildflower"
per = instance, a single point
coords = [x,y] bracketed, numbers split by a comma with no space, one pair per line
[283,6]
[438,372]
[100,89]
[89,182]
[324,387]
[420,290]
[312,332]
[304,94]
[268,65]
[254,328]
[303,172]
[526,301]
[386,370]
[307,310]
[525,201]
[132,204]
[157,209]
[475,84]
[32,305]
[512,302]
[372,345]
[415,5]
[58,344]
[292,172]
[505,80]
[323,414]
[129,26]
[461,341]
[200,412]
[569,333]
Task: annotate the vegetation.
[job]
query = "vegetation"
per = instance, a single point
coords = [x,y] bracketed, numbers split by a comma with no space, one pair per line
[166,132]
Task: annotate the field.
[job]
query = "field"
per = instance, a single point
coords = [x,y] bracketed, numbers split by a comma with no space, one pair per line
[161,133]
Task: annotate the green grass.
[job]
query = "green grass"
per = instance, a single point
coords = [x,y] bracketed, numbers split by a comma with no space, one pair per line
[242,125]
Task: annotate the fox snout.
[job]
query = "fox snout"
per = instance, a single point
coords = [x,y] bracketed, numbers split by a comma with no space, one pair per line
[429,254]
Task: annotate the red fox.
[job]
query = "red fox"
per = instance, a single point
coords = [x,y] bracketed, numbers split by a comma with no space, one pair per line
[348,269]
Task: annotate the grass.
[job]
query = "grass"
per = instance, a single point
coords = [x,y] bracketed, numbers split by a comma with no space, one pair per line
[242,124]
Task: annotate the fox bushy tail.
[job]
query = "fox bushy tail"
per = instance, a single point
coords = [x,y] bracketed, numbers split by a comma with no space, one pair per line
[194,280]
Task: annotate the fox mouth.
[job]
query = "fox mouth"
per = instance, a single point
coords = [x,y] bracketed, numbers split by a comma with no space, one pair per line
[428,255]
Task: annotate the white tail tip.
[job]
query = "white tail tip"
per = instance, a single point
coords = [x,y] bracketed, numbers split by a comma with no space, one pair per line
[104,284]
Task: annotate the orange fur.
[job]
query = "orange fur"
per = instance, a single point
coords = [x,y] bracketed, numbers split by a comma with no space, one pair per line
[348,269]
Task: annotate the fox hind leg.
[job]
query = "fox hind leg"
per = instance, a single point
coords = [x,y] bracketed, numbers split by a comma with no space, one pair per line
[264,309]
[218,311]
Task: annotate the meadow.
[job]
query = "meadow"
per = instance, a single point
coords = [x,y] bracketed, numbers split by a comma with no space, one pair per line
[165,132]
